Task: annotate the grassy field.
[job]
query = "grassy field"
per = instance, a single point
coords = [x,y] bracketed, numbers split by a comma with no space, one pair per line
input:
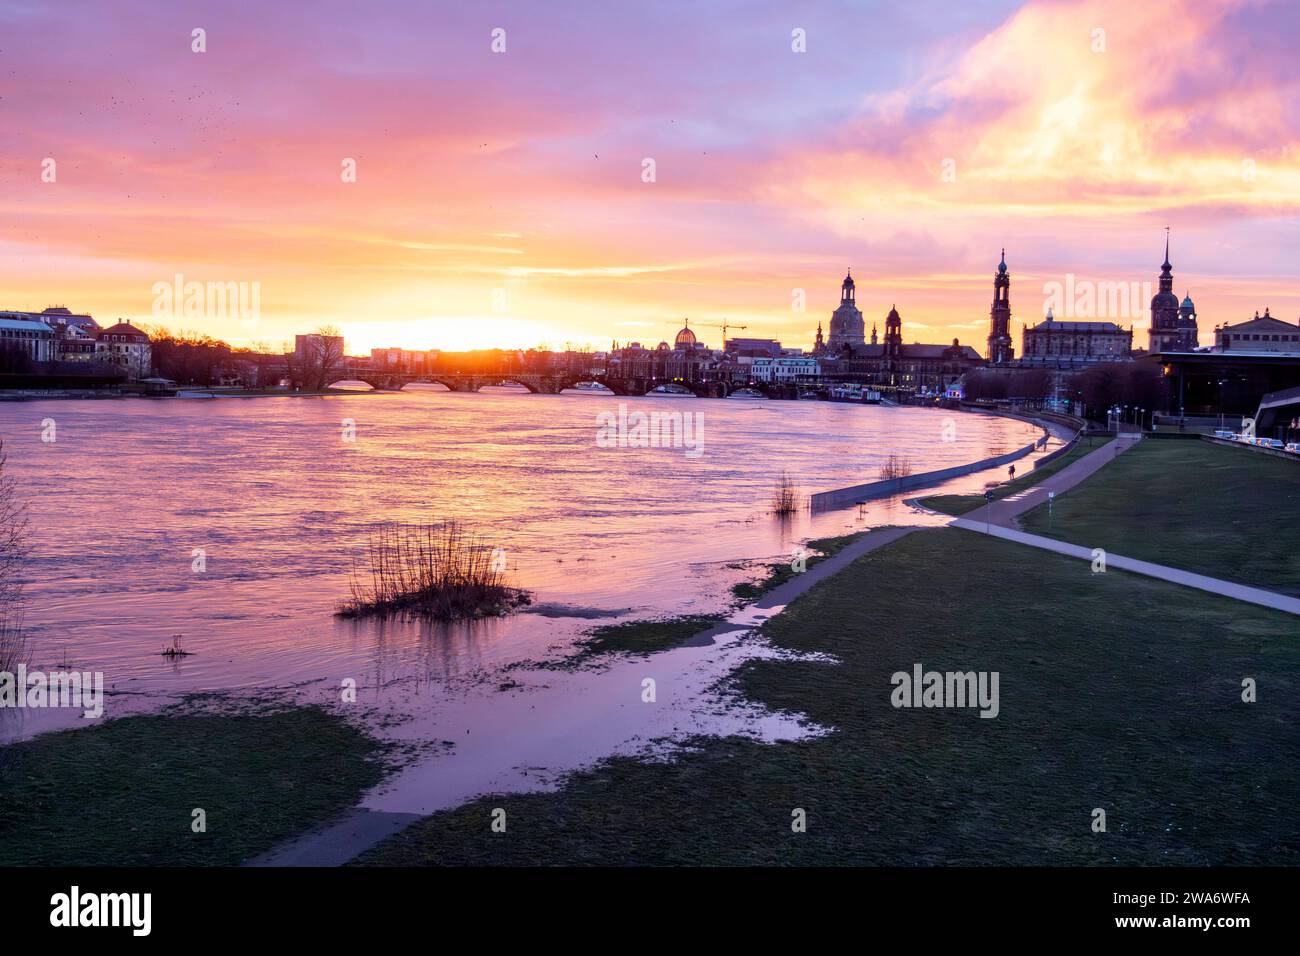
[1116,691]
[123,793]
[1225,512]
[960,504]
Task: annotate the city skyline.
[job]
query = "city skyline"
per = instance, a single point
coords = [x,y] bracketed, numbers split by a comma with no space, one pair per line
[508,221]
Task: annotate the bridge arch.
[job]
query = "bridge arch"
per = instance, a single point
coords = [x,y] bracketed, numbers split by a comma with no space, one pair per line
[617,386]
[485,380]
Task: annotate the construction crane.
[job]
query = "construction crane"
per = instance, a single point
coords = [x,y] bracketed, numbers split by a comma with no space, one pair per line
[724,325]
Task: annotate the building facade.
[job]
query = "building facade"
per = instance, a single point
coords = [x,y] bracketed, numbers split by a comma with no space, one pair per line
[126,347]
[781,371]
[404,361]
[20,334]
[753,347]
[1074,344]
[1263,333]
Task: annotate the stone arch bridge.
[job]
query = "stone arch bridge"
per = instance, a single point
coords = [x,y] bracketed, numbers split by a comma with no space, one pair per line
[543,384]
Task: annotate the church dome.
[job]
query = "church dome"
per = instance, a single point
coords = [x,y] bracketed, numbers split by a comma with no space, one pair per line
[1187,303]
[685,338]
[1165,300]
[1002,266]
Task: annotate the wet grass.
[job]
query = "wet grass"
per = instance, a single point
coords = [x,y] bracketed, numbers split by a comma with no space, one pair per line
[642,637]
[1116,691]
[122,793]
[1226,512]
[779,573]
[961,504]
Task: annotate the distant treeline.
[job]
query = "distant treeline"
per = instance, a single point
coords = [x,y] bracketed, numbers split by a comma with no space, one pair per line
[1135,384]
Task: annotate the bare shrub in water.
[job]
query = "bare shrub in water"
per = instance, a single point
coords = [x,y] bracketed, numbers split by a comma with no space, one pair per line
[785,497]
[434,570]
[895,467]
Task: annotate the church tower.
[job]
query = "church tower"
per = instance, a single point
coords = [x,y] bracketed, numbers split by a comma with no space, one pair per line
[893,334]
[1165,331]
[847,326]
[1000,347]
[819,345]
[1188,336]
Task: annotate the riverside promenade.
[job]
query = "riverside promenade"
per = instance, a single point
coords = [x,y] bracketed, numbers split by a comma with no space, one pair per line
[998,519]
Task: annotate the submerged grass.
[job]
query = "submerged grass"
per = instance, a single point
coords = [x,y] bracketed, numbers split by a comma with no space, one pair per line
[643,637]
[436,570]
[660,634]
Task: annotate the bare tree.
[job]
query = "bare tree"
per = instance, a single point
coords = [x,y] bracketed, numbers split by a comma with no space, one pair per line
[324,355]
[13,551]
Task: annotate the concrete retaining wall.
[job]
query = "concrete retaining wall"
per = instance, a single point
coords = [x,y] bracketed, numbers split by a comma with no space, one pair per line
[1063,450]
[843,497]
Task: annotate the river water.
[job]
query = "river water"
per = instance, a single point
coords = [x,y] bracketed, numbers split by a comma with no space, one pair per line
[278,501]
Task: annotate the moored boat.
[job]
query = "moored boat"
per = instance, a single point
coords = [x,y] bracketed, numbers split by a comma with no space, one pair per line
[672,390]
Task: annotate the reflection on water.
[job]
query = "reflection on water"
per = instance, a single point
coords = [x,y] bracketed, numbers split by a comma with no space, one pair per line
[276,504]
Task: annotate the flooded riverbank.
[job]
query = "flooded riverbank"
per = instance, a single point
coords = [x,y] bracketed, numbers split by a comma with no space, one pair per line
[236,524]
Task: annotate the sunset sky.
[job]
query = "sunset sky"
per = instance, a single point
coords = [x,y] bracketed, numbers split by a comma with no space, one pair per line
[499,198]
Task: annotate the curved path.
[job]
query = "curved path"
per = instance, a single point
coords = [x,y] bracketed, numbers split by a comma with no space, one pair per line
[998,519]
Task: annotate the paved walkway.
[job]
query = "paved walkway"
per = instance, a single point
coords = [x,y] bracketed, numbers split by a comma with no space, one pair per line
[1005,511]
[999,520]
[1240,592]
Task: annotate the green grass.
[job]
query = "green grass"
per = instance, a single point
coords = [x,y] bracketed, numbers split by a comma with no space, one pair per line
[961,504]
[642,637]
[1116,691]
[1226,512]
[781,572]
[122,793]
